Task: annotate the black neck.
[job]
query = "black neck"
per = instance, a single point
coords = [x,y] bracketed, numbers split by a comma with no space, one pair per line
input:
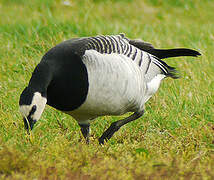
[41,78]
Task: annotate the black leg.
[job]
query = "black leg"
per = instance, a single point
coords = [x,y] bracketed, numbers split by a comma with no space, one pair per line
[115,126]
[85,129]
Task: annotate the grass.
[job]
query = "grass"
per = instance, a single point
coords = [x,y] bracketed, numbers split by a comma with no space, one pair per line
[175,137]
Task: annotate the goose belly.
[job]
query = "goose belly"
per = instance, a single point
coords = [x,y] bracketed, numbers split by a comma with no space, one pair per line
[116,86]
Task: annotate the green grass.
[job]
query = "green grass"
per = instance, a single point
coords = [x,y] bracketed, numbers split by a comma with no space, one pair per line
[175,137]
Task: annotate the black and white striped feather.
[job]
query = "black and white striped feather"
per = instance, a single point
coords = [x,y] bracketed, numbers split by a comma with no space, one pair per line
[119,44]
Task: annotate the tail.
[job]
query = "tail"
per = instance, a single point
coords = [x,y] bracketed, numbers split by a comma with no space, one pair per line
[167,70]
[166,53]
[163,53]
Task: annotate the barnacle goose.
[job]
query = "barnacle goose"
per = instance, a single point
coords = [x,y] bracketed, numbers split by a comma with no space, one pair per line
[95,76]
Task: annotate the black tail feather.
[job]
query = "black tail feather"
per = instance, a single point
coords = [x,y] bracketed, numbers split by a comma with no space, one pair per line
[171,71]
[166,53]
[163,53]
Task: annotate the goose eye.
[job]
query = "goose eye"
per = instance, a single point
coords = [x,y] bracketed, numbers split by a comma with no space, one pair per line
[32,110]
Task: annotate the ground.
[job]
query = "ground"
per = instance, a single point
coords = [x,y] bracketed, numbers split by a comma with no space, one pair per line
[175,137]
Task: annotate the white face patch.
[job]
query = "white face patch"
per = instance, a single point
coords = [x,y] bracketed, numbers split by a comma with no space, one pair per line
[39,102]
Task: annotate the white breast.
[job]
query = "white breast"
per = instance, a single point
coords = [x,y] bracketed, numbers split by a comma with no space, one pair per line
[116,86]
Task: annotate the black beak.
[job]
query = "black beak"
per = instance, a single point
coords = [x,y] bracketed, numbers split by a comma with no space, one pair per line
[29,122]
